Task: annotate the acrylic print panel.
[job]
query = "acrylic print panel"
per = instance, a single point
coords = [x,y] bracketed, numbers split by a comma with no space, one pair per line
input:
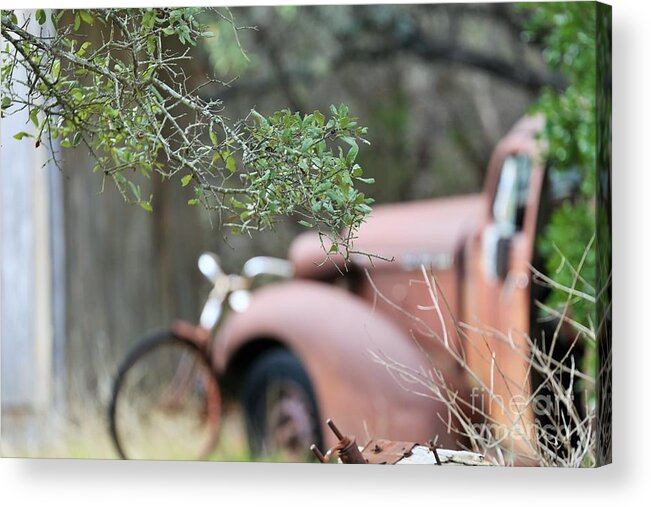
[362,234]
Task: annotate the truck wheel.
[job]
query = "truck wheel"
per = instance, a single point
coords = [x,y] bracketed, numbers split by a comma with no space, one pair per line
[280,408]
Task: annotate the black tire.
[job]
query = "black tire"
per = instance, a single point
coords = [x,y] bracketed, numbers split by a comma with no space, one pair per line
[280,408]
[168,377]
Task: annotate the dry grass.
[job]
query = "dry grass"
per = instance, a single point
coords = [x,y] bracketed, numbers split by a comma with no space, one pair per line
[562,431]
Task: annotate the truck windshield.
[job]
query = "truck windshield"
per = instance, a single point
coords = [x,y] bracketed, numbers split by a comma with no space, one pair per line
[511,195]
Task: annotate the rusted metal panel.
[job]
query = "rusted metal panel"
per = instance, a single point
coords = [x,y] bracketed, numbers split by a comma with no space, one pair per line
[386,452]
[333,333]
[503,304]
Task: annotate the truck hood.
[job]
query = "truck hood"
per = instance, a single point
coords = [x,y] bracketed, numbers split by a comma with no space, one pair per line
[429,232]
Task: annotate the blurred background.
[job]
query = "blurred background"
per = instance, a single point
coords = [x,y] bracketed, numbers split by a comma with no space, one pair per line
[84,275]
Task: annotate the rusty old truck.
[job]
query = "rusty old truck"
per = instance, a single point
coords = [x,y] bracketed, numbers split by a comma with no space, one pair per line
[359,341]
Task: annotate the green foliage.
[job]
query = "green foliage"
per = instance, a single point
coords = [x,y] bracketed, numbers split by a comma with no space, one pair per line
[569,233]
[567,32]
[317,153]
[120,91]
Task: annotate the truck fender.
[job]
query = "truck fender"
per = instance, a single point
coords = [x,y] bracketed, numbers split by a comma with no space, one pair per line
[335,334]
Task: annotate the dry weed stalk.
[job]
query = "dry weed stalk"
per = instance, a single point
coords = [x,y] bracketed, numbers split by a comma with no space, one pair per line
[561,433]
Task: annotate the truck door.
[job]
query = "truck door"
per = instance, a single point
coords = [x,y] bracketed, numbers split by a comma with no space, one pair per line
[498,287]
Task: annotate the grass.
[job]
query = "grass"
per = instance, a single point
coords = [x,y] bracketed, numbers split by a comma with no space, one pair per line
[510,433]
[86,437]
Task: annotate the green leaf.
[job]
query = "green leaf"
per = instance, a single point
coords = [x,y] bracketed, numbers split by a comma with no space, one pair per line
[185,181]
[56,69]
[151,45]
[213,137]
[230,164]
[82,50]
[193,202]
[146,206]
[40,16]
[33,115]
[20,135]
[306,145]
[135,190]
[261,119]
[77,21]
[352,153]
[351,141]
[87,17]
[237,204]
[6,102]
[305,223]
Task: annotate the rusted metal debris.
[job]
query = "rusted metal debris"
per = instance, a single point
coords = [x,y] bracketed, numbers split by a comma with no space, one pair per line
[346,448]
[387,452]
[390,452]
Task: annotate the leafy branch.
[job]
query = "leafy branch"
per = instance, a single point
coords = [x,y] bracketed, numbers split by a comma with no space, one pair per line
[125,95]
